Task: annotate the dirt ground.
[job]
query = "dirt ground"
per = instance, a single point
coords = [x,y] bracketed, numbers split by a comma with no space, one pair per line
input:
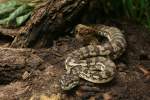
[132,81]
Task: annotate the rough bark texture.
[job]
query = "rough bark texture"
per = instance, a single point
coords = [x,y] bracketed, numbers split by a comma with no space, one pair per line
[14,62]
[49,21]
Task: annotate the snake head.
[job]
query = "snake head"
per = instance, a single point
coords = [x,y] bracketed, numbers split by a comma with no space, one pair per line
[85,34]
[69,81]
[83,31]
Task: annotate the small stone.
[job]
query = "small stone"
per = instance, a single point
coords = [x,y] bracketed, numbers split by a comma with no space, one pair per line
[44,97]
[107,96]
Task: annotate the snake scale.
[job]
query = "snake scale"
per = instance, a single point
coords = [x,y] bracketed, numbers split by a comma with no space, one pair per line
[93,62]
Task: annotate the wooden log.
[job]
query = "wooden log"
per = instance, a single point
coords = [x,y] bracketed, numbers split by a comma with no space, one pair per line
[14,62]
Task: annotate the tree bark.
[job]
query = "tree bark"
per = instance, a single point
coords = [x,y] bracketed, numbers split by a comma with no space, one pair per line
[49,22]
[14,62]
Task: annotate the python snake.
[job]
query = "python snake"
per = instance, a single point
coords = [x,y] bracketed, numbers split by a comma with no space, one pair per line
[94,61]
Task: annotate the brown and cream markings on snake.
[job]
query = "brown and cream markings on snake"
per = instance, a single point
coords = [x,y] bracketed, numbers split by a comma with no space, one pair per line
[93,62]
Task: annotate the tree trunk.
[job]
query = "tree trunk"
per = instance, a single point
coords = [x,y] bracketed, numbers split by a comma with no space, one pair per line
[49,22]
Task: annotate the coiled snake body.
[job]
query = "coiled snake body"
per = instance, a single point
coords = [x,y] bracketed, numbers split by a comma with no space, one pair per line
[93,62]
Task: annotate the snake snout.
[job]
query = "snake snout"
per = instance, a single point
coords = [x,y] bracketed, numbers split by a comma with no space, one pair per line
[69,81]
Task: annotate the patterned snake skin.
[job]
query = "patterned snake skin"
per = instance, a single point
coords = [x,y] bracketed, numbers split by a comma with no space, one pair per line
[93,62]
